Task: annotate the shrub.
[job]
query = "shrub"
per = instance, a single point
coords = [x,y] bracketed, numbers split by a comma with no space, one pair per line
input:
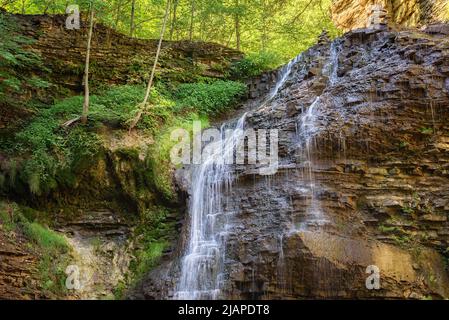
[159,156]
[16,61]
[254,64]
[210,99]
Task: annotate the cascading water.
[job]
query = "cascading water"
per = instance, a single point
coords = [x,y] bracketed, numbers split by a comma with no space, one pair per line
[307,131]
[283,75]
[331,68]
[202,269]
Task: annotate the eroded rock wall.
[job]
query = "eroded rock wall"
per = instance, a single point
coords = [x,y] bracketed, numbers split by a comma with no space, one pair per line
[353,14]
[116,58]
[378,191]
[372,190]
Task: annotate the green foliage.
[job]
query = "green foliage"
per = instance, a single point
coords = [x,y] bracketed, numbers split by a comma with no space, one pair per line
[45,238]
[53,149]
[391,229]
[254,64]
[426,131]
[49,155]
[210,99]
[159,159]
[397,234]
[153,233]
[16,62]
[408,210]
[284,27]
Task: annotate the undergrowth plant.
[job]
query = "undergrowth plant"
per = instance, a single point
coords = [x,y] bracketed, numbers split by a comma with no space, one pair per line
[45,154]
[17,63]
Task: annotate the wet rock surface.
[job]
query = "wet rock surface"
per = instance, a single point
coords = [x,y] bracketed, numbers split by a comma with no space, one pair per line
[102,251]
[370,190]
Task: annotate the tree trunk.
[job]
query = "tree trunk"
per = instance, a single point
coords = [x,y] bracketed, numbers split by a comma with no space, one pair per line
[237,25]
[174,20]
[153,71]
[264,37]
[192,18]
[132,23]
[117,14]
[86,70]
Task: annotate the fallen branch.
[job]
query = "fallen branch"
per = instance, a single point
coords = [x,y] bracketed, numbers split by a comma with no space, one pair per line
[70,122]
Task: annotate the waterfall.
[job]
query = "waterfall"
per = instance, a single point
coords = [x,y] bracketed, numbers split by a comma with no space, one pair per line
[202,267]
[307,129]
[331,67]
[282,77]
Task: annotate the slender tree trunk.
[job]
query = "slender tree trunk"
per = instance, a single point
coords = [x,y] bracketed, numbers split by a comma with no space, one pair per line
[237,25]
[264,38]
[86,70]
[153,71]
[192,19]
[174,20]
[133,14]
[117,14]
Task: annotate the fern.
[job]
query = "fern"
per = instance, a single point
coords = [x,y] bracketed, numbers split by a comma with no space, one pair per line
[16,61]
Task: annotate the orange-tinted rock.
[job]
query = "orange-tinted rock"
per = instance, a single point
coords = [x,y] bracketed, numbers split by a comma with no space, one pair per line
[354,14]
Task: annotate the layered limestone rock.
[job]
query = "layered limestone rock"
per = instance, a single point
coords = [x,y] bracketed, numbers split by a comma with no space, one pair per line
[364,168]
[379,160]
[18,265]
[116,58]
[354,14]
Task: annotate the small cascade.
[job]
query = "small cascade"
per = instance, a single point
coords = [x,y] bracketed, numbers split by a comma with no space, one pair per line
[202,268]
[281,266]
[306,136]
[283,75]
[331,67]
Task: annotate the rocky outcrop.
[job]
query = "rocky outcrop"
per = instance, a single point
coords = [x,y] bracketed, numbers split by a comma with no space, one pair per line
[354,14]
[18,264]
[102,251]
[362,181]
[116,58]
[379,176]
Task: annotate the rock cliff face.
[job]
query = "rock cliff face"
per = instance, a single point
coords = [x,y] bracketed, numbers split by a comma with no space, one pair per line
[353,14]
[116,58]
[364,159]
[377,194]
